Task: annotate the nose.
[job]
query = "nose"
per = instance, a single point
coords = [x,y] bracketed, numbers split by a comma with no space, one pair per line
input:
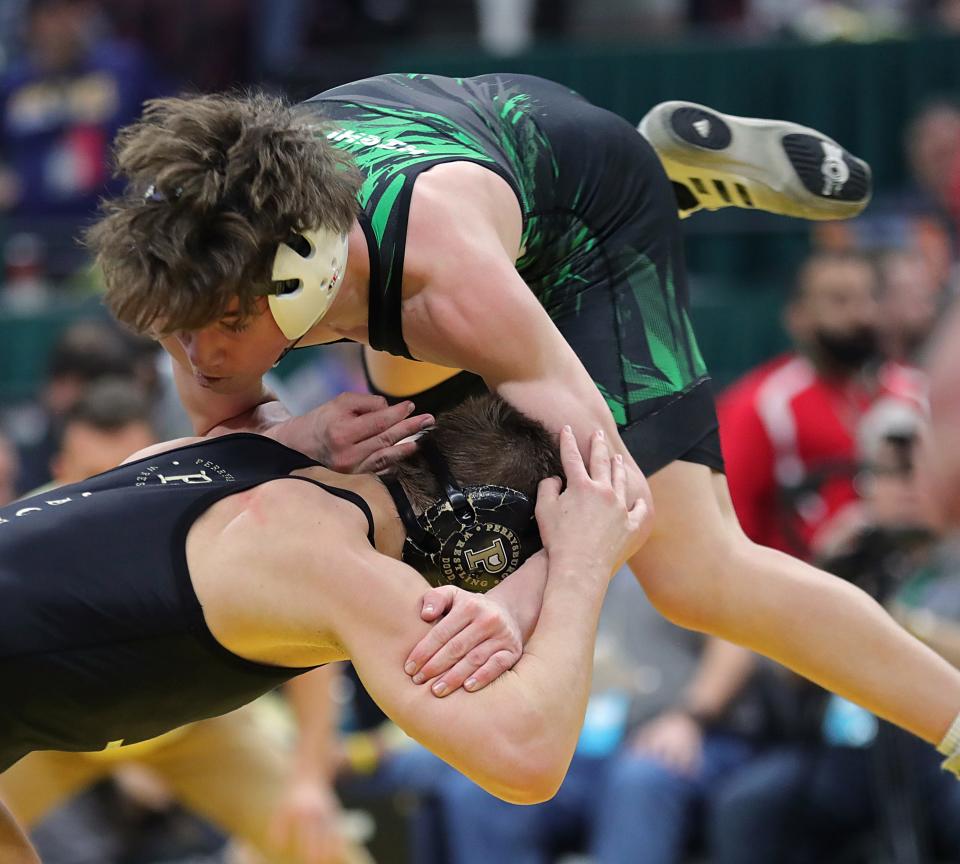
[204,349]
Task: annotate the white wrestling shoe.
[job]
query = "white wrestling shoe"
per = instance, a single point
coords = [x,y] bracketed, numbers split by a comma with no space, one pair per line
[773,165]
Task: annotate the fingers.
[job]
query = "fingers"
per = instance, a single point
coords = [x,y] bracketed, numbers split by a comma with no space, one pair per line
[367,441]
[599,458]
[381,460]
[436,602]
[370,423]
[570,457]
[383,450]
[360,403]
[440,634]
[637,515]
[618,477]
[468,641]
[548,489]
[473,672]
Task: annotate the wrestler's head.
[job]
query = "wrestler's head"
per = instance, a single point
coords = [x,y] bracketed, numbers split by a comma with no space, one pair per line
[230,236]
[467,496]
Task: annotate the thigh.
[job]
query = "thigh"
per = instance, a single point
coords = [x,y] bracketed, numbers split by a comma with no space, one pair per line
[695,552]
[41,780]
[692,532]
[231,769]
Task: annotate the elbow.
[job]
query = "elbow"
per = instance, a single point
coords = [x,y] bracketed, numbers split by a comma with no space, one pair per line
[530,769]
[533,783]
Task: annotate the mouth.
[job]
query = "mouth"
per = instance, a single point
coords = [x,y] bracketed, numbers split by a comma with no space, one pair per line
[208,380]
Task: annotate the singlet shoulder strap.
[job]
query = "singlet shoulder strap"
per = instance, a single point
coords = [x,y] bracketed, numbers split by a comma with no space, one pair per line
[384,316]
[346,495]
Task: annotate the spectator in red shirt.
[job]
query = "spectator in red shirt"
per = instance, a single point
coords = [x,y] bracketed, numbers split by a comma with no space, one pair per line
[788,428]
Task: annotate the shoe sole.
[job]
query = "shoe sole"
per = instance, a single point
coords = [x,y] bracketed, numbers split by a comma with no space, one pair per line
[759,164]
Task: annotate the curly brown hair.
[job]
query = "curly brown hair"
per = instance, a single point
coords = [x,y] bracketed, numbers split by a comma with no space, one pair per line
[214,183]
[484,440]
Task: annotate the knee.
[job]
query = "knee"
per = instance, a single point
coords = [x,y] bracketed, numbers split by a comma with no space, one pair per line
[636,776]
[686,583]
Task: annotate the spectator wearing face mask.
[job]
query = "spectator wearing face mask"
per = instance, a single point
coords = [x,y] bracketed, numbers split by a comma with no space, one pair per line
[789,427]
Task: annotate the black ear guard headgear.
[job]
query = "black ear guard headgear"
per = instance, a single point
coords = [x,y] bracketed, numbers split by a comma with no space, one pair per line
[471,536]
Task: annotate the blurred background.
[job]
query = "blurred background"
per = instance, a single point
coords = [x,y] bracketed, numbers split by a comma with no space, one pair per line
[815,334]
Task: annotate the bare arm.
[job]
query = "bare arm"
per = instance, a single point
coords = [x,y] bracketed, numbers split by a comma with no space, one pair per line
[516,737]
[307,817]
[510,341]
[353,432]
[721,675]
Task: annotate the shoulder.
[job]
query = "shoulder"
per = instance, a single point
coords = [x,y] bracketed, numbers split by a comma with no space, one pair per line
[466,206]
[298,508]
[288,529]
[267,567]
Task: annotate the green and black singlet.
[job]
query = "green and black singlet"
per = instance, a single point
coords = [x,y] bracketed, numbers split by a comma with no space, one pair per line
[600,249]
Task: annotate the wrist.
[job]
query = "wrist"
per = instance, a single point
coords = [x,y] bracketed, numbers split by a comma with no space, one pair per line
[698,716]
[288,430]
[576,562]
[522,605]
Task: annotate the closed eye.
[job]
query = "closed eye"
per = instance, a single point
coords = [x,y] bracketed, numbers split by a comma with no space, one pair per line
[234,325]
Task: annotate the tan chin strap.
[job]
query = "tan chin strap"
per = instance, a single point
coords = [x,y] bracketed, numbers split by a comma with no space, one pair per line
[319,275]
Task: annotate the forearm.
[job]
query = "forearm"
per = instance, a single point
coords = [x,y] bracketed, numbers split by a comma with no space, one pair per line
[515,737]
[522,594]
[722,673]
[566,395]
[311,698]
[542,700]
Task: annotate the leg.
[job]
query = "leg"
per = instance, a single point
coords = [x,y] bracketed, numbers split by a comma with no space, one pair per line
[431,388]
[41,780]
[700,571]
[644,814]
[482,828]
[232,770]
[398,377]
[750,817]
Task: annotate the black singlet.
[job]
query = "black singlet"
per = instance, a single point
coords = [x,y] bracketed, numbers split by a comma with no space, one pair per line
[102,638]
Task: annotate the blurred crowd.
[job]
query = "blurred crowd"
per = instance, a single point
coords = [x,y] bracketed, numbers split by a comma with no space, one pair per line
[692,749]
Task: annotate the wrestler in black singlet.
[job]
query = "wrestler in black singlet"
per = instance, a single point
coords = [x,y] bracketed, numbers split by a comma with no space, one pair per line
[601,246]
[102,638]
